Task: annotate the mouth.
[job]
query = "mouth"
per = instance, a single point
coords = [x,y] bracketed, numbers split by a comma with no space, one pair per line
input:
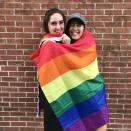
[75,33]
[58,30]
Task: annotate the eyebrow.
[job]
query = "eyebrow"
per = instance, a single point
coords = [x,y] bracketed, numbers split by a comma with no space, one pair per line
[56,21]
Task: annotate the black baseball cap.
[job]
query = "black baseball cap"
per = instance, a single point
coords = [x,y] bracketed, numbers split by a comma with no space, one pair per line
[77,16]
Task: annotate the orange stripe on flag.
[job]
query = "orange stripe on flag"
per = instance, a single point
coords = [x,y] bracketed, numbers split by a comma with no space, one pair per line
[58,66]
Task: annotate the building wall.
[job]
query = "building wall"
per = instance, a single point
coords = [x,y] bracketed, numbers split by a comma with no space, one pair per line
[20,30]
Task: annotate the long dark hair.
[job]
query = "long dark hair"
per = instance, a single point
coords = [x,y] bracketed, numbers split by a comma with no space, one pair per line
[48,14]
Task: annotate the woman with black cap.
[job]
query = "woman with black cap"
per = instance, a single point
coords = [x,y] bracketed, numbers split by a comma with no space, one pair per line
[97,117]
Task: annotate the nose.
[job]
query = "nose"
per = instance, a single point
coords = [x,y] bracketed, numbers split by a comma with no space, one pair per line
[58,26]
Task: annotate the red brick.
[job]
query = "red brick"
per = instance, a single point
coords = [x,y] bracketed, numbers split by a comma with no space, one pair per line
[7,35]
[11,119]
[111,36]
[121,30]
[69,6]
[6,23]
[103,30]
[26,99]
[8,99]
[23,35]
[9,109]
[26,118]
[4,113]
[5,68]
[2,29]
[2,5]
[18,104]
[95,24]
[96,1]
[114,1]
[103,18]
[3,63]
[31,104]
[36,124]
[27,109]
[4,124]
[18,124]
[86,6]
[122,6]
[115,126]
[32,30]
[3,41]
[31,114]
[127,12]
[2,84]
[31,6]
[118,41]
[48,6]
[27,129]
[11,129]
[121,18]
[13,5]
[32,41]
[23,12]
[38,12]
[3,52]
[31,18]
[113,12]
[39,129]
[19,95]
[9,79]
[95,12]
[2,73]
[6,12]
[14,29]
[9,89]
[14,73]
[13,18]
[26,89]
[30,73]
[104,6]
[127,36]
[74,11]
[24,24]
[113,24]
[32,95]
[16,63]
[18,114]
[14,42]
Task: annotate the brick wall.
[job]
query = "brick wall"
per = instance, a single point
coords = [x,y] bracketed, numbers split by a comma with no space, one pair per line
[20,31]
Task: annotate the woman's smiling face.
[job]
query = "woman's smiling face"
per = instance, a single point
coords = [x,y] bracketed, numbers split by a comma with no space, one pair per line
[76,30]
[56,24]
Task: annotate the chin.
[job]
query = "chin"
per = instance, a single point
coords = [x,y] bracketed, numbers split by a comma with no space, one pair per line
[75,38]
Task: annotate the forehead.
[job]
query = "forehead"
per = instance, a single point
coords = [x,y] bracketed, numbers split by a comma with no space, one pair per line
[56,17]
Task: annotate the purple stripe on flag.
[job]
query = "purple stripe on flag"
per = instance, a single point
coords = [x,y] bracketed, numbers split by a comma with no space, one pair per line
[91,122]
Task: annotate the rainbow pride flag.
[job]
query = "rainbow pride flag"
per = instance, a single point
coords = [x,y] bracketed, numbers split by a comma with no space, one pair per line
[69,78]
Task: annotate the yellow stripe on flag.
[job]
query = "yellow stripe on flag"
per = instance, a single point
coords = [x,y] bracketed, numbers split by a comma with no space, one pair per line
[69,80]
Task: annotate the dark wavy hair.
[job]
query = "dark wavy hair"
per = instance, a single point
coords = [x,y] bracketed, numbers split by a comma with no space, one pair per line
[47,16]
